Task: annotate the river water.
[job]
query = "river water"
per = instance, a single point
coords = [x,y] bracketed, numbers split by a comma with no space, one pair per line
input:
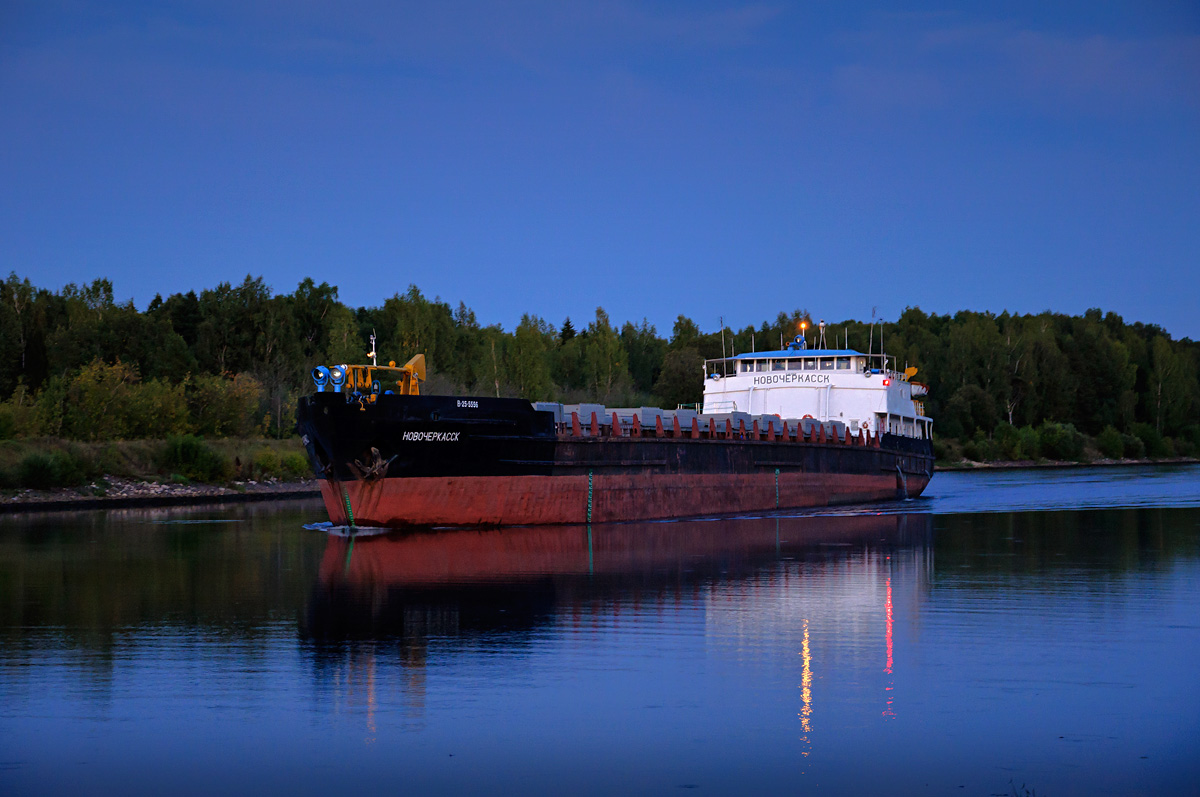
[1012,632]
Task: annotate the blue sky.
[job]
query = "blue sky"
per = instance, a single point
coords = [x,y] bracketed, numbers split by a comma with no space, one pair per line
[701,158]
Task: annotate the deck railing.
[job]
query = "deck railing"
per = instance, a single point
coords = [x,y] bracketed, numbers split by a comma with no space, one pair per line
[774,430]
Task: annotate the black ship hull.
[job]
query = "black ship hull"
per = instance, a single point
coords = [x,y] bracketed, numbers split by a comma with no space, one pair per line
[438,460]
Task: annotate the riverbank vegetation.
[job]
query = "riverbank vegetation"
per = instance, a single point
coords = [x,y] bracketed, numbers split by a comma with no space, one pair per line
[78,366]
[48,463]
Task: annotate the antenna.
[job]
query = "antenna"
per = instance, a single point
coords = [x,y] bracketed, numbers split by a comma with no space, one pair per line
[724,364]
[374,357]
[871,344]
[821,327]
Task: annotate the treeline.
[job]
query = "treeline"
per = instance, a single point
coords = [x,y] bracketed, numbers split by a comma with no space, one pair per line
[233,361]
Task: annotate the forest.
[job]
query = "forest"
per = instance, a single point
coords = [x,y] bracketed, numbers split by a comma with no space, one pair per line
[232,361]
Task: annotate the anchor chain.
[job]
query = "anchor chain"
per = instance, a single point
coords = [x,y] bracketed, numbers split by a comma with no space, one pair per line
[589,505]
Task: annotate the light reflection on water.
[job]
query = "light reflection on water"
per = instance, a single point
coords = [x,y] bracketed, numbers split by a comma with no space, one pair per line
[991,632]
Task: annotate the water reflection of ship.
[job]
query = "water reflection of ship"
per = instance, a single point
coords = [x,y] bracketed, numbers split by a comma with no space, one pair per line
[390,596]
[507,581]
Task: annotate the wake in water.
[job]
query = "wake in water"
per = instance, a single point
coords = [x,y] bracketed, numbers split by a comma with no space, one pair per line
[348,531]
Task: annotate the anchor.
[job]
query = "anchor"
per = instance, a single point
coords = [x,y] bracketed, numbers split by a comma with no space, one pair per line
[376,466]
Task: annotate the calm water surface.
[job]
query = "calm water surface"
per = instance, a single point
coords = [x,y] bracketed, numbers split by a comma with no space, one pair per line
[1017,630]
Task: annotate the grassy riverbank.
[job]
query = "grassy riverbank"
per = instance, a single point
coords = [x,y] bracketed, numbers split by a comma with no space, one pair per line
[1052,442]
[1000,464]
[1061,445]
[53,463]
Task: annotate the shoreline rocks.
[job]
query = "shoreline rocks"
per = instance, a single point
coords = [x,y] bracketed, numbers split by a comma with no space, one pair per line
[121,491]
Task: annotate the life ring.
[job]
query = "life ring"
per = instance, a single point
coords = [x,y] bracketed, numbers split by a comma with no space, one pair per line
[807,417]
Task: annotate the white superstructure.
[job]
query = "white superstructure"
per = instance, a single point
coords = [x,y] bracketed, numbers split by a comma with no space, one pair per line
[838,385]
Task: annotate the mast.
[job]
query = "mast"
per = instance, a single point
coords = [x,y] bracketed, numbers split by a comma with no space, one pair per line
[724,363]
[871,344]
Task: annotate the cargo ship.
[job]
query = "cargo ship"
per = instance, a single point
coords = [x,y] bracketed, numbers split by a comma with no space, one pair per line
[776,430]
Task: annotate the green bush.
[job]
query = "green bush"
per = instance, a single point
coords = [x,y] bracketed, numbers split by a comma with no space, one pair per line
[1031,444]
[40,471]
[1008,441]
[97,405]
[266,463]
[157,409]
[74,468]
[1060,440]
[44,417]
[190,456]
[1134,448]
[942,450]
[296,465]
[20,416]
[1111,443]
[223,407]
[1151,439]
[37,472]
[981,449]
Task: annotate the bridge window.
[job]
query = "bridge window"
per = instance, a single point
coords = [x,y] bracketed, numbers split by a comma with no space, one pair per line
[810,364]
[760,365]
[843,363]
[795,365]
[826,363]
[778,365]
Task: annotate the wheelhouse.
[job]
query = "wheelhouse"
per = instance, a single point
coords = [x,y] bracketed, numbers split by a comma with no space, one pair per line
[863,391]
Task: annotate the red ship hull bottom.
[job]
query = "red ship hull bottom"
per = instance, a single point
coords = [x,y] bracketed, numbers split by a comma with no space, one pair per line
[535,500]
